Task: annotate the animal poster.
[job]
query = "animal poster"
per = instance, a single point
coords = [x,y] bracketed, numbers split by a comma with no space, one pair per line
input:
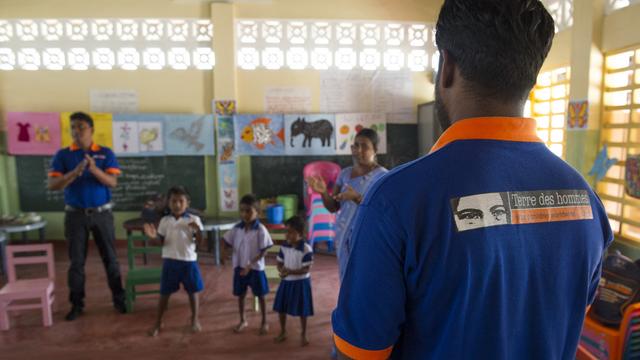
[224,107]
[125,137]
[259,134]
[103,129]
[189,135]
[310,134]
[31,133]
[225,139]
[632,176]
[228,185]
[578,115]
[348,125]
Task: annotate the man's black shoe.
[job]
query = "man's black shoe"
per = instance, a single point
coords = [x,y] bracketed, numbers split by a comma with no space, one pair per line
[74,313]
[120,307]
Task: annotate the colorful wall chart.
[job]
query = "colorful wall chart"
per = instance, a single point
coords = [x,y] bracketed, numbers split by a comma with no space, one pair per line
[348,125]
[310,134]
[259,134]
[31,133]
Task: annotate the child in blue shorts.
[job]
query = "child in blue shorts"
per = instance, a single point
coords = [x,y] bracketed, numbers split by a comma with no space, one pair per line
[250,241]
[179,233]
[294,293]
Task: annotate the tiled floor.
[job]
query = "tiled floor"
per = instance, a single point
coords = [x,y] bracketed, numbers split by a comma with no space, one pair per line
[101,333]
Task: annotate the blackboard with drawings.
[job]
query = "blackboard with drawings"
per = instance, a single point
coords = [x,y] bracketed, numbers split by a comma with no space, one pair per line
[141,177]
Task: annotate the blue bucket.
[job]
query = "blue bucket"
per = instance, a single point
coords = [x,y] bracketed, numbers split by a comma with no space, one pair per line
[275,214]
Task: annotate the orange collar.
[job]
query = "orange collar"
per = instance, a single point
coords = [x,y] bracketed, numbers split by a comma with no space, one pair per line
[489,128]
[94,147]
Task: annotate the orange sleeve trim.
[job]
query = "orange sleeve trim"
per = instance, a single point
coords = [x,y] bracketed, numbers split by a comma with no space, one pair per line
[55,174]
[355,352]
[113,171]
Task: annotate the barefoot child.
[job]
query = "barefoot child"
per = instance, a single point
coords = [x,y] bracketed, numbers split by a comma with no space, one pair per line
[294,293]
[179,233]
[250,241]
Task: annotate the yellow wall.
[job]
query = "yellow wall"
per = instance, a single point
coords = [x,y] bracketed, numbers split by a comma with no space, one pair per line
[188,91]
[560,53]
[621,29]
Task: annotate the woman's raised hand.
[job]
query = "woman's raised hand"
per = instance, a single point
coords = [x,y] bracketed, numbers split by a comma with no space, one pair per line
[317,184]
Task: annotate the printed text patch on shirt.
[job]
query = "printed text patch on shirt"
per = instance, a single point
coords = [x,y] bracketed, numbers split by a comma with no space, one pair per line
[520,207]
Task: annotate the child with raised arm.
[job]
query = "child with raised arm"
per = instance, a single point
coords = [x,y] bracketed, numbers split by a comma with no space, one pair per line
[294,293]
[250,241]
[179,232]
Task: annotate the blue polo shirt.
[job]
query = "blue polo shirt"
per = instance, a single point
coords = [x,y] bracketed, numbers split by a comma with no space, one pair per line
[489,247]
[86,191]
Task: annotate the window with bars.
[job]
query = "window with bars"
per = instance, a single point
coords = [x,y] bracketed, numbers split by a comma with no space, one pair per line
[621,133]
[548,105]
[106,44]
[332,44]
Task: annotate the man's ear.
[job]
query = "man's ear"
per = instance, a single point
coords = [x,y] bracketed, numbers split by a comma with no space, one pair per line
[447,71]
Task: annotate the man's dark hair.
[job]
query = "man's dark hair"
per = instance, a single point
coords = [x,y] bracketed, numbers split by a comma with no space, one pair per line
[498,45]
[296,223]
[372,135]
[250,200]
[178,190]
[82,117]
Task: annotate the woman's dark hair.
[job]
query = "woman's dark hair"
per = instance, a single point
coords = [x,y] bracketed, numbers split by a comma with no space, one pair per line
[372,135]
[498,45]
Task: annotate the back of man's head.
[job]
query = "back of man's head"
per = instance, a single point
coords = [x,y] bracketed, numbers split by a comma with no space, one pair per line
[498,45]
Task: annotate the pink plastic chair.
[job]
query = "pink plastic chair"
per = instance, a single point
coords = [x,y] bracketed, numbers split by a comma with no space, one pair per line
[329,172]
[40,289]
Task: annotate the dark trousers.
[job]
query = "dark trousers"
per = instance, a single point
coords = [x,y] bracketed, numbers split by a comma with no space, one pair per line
[77,227]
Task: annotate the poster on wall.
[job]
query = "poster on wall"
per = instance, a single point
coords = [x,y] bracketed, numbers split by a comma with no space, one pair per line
[632,176]
[287,100]
[259,134]
[224,107]
[189,134]
[31,133]
[227,160]
[310,134]
[113,101]
[578,115]
[361,91]
[102,125]
[228,184]
[125,137]
[348,125]
[143,135]
[225,139]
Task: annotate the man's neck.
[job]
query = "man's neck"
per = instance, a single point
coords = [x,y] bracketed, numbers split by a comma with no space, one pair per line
[484,108]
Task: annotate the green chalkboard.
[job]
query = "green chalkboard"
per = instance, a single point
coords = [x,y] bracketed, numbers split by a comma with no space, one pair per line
[141,177]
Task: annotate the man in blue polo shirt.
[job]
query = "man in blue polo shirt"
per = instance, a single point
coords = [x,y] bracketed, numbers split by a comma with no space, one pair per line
[490,246]
[87,172]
